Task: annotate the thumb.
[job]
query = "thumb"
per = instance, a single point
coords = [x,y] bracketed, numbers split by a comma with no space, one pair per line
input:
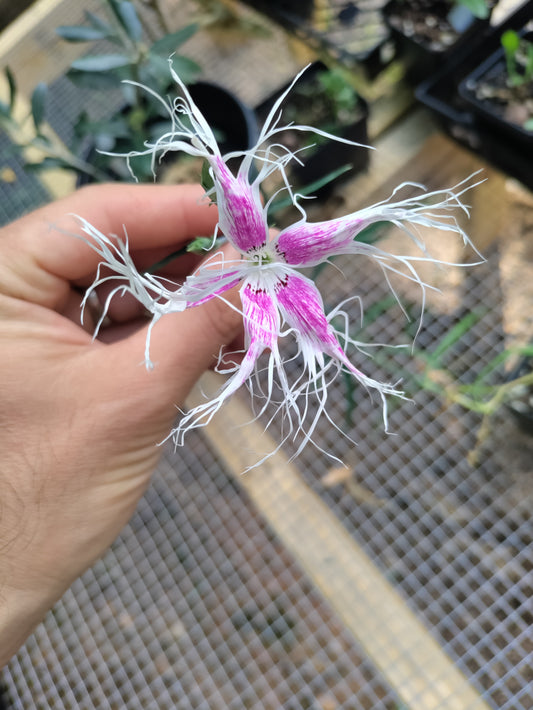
[182,346]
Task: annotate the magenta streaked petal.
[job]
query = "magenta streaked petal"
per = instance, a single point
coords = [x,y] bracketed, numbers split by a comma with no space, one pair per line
[261,323]
[261,317]
[302,308]
[308,244]
[207,283]
[215,293]
[241,217]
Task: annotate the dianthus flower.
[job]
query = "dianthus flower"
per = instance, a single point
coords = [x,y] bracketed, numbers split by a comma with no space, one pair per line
[277,299]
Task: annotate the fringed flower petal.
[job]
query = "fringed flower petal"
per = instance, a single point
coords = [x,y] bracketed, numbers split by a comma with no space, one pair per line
[241,217]
[308,244]
[302,308]
[262,326]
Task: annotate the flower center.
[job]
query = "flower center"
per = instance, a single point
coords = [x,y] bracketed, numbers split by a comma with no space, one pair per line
[261,258]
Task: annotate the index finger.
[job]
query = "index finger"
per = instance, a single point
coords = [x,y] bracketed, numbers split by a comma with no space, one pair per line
[154,217]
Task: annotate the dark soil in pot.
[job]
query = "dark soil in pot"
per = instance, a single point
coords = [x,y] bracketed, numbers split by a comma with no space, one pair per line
[463,117]
[428,32]
[495,99]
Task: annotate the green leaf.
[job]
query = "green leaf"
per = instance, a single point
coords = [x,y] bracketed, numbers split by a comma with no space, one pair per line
[478,8]
[201,244]
[4,110]
[528,125]
[114,6]
[130,20]
[114,127]
[94,80]
[510,41]
[38,101]
[207,178]
[284,202]
[12,87]
[101,62]
[350,400]
[81,33]
[155,70]
[453,335]
[170,43]
[46,164]
[187,69]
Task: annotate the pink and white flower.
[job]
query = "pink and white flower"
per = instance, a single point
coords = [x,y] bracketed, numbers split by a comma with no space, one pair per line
[277,300]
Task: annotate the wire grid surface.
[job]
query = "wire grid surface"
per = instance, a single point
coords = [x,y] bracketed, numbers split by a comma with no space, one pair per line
[196,606]
[199,606]
[455,538]
[20,191]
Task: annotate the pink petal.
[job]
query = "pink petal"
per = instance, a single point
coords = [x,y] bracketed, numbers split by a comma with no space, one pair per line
[307,244]
[302,307]
[241,216]
[208,283]
[261,316]
[261,324]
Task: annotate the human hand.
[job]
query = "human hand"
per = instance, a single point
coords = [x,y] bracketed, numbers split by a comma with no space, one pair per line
[80,419]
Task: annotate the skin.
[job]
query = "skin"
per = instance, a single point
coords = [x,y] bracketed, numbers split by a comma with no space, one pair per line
[80,419]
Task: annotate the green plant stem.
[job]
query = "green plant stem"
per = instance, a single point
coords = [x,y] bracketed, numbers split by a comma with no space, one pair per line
[488,407]
[14,128]
[70,160]
[160,15]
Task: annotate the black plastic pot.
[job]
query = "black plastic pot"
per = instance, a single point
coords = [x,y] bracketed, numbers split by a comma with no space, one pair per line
[440,93]
[352,33]
[296,9]
[233,122]
[490,112]
[325,158]
[227,115]
[426,52]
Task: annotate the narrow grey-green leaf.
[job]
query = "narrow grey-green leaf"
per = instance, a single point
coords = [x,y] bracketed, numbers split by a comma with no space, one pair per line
[81,33]
[478,8]
[5,111]
[187,69]
[94,80]
[114,6]
[101,62]
[47,163]
[38,101]
[170,43]
[207,178]
[130,20]
[156,70]
[115,127]
[12,87]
